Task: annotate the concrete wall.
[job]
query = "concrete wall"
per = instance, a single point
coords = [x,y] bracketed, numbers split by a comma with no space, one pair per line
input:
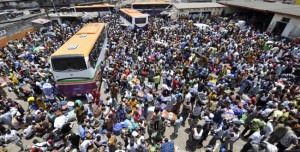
[291,30]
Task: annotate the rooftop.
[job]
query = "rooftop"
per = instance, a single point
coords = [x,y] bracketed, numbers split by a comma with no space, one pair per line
[286,9]
[132,12]
[13,21]
[82,42]
[9,1]
[197,5]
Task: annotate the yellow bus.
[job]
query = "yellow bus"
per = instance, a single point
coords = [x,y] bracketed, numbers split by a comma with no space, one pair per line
[133,18]
[76,65]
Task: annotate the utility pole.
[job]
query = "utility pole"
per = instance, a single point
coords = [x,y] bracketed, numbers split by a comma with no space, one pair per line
[53,6]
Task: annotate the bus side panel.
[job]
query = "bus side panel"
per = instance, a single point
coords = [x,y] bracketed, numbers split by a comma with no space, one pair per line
[72,90]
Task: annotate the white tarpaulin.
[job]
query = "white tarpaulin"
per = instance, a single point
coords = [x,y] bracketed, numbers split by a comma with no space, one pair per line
[40,21]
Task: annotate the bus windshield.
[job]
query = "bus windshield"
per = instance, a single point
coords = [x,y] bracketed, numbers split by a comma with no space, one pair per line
[140,20]
[68,64]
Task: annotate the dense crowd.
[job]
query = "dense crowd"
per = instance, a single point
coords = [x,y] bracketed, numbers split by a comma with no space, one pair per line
[225,84]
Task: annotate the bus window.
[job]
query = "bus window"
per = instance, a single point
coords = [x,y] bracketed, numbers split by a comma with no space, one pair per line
[94,55]
[102,39]
[67,64]
[92,60]
[140,20]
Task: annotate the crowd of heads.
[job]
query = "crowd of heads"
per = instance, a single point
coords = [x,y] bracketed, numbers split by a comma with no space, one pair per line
[219,83]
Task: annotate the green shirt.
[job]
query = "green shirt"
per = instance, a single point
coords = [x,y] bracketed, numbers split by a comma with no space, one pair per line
[255,124]
[157,79]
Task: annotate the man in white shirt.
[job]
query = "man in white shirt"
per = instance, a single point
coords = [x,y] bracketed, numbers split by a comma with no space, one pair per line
[269,128]
[89,97]
[177,124]
[188,97]
[257,136]
[265,113]
[197,134]
[150,98]
[85,145]
[11,136]
[28,132]
[233,136]
[131,146]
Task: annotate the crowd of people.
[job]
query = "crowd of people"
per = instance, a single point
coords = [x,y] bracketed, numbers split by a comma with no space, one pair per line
[225,84]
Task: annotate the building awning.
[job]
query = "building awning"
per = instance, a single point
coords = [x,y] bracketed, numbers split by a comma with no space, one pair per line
[181,6]
[285,9]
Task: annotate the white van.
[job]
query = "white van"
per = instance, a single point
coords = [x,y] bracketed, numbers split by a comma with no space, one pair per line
[203,27]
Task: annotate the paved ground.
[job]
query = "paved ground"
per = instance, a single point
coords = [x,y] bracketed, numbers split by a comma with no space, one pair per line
[180,141]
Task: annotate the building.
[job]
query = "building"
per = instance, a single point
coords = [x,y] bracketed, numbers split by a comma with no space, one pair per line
[66,3]
[280,19]
[17,27]
[197,9]
[17,4]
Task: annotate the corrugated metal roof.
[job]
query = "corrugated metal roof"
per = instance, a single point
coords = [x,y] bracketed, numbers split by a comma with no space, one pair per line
[197,5]
[280,8]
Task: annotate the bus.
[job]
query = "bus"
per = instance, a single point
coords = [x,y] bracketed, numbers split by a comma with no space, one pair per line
[76,65]
[100,8]
[152,8]
[133,18]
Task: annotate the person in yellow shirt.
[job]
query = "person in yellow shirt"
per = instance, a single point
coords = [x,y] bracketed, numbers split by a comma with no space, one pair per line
[13,78]
[132,104]
[15,81]
[41,104]
[31,100]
